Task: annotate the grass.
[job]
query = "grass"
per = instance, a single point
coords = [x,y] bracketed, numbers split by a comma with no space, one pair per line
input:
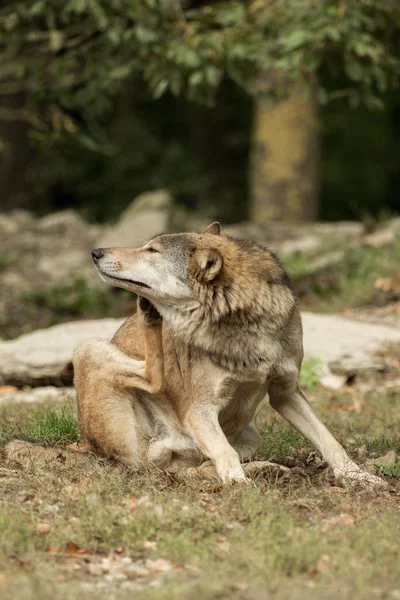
[52,429]
[64,513]
[392,470]
[311,373]
[348,285]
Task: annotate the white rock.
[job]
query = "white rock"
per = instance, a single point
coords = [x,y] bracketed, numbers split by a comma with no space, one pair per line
[42,357]
[145,217]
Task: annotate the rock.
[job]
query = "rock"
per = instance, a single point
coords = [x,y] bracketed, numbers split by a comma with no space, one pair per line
[394,224]
[7,225]
[44,357]
[381,461]
[338,339]
[351,366]
[145,217]
[332,381]
[326,261]
[61,222]
[304,245]
[380,238]
[12,222]
[39,394]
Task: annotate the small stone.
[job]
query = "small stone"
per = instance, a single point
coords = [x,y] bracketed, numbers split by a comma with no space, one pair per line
[380,238]
[381,461]
[136,570]
[44,527]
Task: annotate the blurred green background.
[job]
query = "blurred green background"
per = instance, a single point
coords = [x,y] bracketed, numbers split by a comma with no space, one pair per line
[242,110]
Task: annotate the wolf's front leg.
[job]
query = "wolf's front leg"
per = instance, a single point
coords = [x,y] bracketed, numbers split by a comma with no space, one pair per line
[202,422]
[287,399]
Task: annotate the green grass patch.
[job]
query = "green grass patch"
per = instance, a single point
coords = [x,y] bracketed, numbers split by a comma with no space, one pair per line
[76,299]
[347,285]
[280,441]
[392,470]
[52,429]
[311,373]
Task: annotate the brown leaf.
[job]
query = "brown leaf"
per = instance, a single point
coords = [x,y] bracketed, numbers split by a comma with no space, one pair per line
[7,389]
[390,284]
[70,548]
[160,565]
[76,447]
[6,579]
[323,565]
[43,527]
[341,520]
[335,489]
[214,490]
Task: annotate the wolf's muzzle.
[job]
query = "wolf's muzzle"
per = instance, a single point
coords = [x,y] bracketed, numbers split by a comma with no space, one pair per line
[97,253]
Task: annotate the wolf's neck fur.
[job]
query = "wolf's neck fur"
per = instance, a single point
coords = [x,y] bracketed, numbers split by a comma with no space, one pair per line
[237,329]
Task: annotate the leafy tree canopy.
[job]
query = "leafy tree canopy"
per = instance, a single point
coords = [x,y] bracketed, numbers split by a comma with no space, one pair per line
[71,56]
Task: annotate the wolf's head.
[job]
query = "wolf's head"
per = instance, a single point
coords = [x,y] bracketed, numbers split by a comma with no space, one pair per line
[186,271]
[163,268]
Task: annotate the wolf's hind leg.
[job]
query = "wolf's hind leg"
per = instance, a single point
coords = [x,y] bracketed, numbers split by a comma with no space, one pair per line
[107,381]
[287,399]
[247,442]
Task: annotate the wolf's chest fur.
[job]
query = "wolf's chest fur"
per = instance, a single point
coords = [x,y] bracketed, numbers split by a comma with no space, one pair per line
[246,346]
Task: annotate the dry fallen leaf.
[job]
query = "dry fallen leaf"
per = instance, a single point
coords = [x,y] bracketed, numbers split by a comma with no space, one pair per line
[341,520]
[70,549]
[76,447]
[43,527]
[160,565]
[390,284]
[6,579]
[8,389]
[335,489]
[323,565]
[149,545]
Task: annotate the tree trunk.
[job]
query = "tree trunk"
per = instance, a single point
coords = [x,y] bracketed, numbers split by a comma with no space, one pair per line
[285,158]
[15,155]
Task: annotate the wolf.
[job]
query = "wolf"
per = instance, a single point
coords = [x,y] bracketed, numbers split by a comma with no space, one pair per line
[217,330]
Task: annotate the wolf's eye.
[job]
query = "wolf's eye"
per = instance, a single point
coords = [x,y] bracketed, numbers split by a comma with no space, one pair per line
[152,250]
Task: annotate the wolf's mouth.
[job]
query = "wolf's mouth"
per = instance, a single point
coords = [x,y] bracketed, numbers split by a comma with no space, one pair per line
[137,283]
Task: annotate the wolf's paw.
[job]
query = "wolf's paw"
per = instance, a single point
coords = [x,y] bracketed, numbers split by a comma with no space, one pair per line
[358,477]
[151,314]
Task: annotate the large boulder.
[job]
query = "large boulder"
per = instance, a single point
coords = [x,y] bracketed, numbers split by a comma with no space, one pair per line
[347,346]
[44,357]
[146,216]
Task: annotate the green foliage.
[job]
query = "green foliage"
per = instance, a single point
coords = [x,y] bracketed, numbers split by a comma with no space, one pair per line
[76,299]
[52,429]
[392,470]
[351,285]
[77,53]
[197,153]
[281,441]
[71,60]
[310,374]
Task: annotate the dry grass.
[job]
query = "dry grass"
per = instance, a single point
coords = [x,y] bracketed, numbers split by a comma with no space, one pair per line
[63,513]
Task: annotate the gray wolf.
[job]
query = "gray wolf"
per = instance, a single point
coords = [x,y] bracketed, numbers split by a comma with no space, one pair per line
[217,329]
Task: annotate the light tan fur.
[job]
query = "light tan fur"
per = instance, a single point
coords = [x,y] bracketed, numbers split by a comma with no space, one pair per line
[177,390]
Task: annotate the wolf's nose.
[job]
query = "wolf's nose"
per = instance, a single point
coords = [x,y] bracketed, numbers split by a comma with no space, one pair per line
[97,253]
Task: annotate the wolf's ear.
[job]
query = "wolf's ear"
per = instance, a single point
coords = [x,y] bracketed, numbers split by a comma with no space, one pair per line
[214,229]
[210,263]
